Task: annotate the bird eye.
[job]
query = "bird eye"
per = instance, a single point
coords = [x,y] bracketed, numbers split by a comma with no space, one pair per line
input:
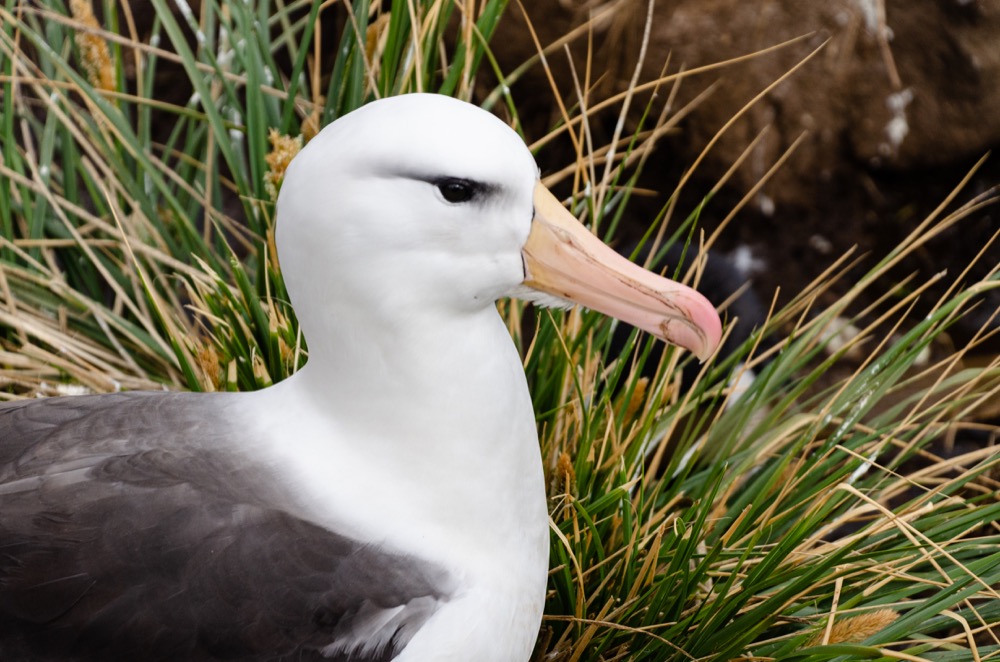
[456,190]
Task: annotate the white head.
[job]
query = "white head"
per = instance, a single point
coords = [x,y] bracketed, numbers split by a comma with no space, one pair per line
[366,205]
[425,203]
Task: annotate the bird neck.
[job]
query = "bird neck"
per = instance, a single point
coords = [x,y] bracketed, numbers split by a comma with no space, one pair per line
[369,367]
[443,404]
[434,390]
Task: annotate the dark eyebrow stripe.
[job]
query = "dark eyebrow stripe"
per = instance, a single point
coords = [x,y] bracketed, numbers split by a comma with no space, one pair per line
[483,189]
[480,189]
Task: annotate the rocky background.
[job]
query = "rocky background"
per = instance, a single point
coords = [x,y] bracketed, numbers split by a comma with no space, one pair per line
[899,103]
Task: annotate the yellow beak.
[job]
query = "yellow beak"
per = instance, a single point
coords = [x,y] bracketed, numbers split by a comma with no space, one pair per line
[564,259]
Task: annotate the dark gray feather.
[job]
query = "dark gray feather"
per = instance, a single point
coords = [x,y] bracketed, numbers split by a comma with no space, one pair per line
[132,526]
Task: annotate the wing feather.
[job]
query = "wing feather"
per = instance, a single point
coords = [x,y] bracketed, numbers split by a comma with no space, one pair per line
[129,529]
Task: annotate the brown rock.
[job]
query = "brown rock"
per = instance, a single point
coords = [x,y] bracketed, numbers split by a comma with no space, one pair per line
[896,86]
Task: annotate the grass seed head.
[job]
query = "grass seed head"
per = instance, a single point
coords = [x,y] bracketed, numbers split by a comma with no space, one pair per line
[283,150]
[95,56]
[856,628]
[565,473]
[208,362]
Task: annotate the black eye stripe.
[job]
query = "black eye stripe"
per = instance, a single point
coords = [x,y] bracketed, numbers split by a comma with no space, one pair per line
[456,190]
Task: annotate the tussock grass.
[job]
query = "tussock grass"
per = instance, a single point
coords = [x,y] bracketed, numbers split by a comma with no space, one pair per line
[806,515]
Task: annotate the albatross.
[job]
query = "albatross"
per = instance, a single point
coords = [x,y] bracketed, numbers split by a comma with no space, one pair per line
[387,501]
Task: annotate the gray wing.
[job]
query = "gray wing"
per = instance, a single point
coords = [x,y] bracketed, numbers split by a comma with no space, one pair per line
[128,532]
